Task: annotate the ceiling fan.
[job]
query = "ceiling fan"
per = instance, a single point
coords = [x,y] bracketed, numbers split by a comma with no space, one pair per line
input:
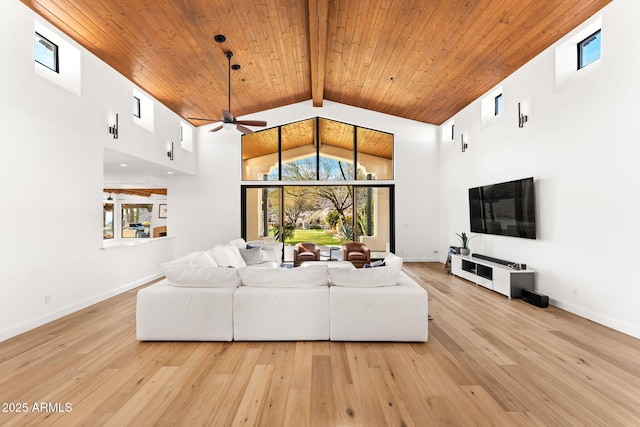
[228,119]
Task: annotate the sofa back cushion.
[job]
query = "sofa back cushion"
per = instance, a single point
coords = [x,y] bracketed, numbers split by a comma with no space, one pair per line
[197,276]
[272,252]
[195,258]
[365,277]
[316,275]
[393,260]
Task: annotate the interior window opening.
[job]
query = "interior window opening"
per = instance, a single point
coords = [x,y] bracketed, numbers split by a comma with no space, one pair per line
[136,220]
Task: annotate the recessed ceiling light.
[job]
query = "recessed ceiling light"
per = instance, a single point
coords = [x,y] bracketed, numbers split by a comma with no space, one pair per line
[124,165]
[219,38]
[170,173]
[235,67]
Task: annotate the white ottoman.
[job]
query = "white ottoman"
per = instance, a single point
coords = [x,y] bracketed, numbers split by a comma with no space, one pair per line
[171,313]
[390,313]
[281,314]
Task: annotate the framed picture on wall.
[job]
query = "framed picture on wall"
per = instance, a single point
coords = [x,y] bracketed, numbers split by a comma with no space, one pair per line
[162,212]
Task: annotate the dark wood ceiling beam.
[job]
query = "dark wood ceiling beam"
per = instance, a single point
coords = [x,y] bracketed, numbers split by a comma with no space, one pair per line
[318,30]
[144,192]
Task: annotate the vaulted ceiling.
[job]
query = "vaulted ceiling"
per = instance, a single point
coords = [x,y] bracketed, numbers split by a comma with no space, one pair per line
[419,59]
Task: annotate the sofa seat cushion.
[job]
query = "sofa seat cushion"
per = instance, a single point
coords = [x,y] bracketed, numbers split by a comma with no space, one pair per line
[285,277]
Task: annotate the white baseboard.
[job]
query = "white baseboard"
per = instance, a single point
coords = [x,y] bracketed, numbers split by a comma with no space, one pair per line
[28,325]
[607,321]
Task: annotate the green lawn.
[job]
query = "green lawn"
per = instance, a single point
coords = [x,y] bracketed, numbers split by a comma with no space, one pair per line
[317,236]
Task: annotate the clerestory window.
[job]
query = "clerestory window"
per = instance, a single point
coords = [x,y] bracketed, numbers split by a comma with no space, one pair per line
[317,149]
[46,52]
[589,50]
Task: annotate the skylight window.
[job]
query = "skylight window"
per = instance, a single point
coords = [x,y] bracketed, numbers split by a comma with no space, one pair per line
[45,52]
[589,50]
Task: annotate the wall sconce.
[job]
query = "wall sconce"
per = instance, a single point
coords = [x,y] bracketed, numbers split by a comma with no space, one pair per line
[170,152]
[464,144]
[113,130]
[522,119]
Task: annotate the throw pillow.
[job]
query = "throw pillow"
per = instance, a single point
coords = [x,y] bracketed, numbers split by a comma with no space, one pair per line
[252,255]
[256,243]
[228,256]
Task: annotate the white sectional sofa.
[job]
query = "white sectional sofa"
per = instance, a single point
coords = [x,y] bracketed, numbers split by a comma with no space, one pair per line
[200,300]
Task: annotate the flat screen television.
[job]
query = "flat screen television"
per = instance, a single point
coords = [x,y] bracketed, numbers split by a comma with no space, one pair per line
[507,209]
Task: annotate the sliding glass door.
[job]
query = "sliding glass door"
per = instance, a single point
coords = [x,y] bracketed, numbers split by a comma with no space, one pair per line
[326,214]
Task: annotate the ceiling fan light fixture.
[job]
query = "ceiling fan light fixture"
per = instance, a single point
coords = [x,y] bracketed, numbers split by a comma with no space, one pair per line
[219,38]
[228,126]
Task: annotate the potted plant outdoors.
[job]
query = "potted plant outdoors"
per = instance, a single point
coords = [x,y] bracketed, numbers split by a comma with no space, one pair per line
[464,240]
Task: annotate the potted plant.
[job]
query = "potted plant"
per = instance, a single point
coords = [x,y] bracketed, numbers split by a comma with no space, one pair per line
[464,240]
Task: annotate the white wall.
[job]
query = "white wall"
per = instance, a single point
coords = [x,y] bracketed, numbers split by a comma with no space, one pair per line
[51,173]
[205,209]
[582,148]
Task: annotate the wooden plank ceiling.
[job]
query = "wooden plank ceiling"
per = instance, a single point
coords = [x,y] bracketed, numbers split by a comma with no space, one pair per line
[417,59]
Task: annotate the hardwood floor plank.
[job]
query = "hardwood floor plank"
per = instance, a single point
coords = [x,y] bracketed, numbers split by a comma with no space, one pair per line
[254,398]
[488,361]
[298,411]
[322,405]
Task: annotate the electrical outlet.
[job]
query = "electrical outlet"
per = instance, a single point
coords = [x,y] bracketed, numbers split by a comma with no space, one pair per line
[47,299]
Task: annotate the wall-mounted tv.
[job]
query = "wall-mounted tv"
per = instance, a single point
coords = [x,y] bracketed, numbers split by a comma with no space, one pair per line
[507,209]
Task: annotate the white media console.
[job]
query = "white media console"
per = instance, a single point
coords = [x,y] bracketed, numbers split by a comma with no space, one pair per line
[500,278]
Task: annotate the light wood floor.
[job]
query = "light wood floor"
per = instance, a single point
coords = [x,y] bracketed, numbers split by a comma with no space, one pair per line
[488,361]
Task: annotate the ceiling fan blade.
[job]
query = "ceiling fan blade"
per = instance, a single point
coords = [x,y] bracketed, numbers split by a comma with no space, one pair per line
[243,129]
[202,118]
[216,129]
[227,116]
[251,122]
